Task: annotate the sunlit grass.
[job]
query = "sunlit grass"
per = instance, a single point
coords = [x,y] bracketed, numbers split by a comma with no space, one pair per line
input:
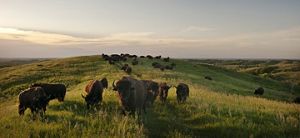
[224,107]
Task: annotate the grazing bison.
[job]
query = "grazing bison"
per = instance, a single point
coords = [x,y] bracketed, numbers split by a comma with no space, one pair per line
[208,78]
[105,57]
[53,91]
[297,100]
[142,56]
[133,56]
[259,91]
[104,83]
[152,91]
[166,59]
[94,92]
[158,57]
[149,57]
[182,91]
[127,68]
[163,91]
[132,94]
[34,98]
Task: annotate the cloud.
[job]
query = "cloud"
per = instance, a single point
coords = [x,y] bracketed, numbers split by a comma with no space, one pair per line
[280,43]
[198,29]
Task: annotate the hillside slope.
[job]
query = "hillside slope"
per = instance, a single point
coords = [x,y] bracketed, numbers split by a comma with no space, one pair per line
[223,107]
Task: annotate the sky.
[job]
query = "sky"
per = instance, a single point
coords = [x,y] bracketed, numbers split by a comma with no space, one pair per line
[175,28]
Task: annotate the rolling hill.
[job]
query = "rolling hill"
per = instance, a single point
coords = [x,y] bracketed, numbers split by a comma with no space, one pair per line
[222,107]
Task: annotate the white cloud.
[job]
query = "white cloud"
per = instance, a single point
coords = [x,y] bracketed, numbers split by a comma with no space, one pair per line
[281,43]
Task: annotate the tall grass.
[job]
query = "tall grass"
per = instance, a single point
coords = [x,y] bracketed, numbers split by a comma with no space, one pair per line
[219,108]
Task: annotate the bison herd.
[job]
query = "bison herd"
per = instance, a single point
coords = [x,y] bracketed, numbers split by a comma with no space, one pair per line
[117,59]
[135,95]
[38,95]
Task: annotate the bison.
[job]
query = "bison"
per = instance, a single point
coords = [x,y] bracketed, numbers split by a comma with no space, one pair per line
[34,98]
[259,91]
[94,92]
[166,59]
[158,57]
[149,57]
[163,91]
[297,100]
[127,68]
[152,91]
[105,57]
[208,78]
[132,94]
[182,91]
[53,91]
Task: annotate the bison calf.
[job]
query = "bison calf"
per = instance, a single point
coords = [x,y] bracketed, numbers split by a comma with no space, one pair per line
[163,91]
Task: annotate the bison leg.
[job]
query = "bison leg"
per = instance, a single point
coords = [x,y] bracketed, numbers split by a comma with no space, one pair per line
[22,109]
[88,106]
[144,108]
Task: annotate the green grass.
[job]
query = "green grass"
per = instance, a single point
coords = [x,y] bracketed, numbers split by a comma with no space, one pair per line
[223,107]
[287,71]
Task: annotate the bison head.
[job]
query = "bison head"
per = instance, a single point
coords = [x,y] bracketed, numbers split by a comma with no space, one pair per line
[124,89]
[104,83]
[163,90]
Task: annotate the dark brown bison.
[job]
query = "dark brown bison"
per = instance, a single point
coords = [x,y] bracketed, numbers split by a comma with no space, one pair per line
[152,91]
[34,98]
[149,57]
[182,91]
[94,92]
[259,91]
[158,57]
[208,78]
[127,68]
[105,57]
[166,59]
[53,91]
[163,91]
[297,100]
[132,94]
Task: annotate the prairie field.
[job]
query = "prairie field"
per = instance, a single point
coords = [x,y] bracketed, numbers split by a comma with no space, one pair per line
[222,107]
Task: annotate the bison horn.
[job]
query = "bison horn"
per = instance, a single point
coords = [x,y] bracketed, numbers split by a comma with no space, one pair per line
[113,84]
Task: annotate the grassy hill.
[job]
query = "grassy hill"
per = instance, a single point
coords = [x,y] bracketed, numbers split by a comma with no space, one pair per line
[223,107]
[287,71]
[8,62]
